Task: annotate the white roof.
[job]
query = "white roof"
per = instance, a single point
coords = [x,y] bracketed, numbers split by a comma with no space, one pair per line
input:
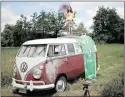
[50,41]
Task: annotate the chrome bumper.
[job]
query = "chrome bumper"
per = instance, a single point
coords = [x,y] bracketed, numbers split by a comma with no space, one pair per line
[31,87]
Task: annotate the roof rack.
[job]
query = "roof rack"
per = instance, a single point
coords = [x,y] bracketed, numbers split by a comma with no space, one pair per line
[69,36]
[65,35]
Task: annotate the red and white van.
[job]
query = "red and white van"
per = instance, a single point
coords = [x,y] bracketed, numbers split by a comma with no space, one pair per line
[47,63]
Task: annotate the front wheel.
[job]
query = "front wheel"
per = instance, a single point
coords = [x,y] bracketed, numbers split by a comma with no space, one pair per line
[61,84]
[15,91]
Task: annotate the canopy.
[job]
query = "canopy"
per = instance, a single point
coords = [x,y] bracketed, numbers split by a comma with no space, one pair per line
[89,53]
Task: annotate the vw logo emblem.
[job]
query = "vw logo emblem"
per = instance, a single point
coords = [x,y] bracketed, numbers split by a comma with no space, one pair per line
[23,67]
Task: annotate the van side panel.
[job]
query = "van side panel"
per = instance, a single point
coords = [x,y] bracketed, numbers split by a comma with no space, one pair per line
[75,66]
[54,67]
[43,78]
[71,66]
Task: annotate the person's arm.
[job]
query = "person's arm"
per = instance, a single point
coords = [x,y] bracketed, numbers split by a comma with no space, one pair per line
[65,14]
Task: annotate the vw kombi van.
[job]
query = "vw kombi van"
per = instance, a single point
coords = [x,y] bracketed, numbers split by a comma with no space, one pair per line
[47,63]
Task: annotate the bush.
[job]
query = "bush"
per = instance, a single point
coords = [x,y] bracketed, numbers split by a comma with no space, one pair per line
[6,79]
[115,88]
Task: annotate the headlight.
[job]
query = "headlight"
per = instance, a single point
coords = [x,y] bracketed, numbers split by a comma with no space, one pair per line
[37,73]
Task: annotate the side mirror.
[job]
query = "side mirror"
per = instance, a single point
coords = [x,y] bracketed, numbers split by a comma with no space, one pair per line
[49,55]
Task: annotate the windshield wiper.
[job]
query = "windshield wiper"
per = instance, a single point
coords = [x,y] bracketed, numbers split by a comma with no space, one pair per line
[42,50]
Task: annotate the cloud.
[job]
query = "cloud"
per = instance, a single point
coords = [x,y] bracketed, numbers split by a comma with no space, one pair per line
[120,12]
[85,11]
[48,6]
[88,25]
[77,6]
[88,10]
[92,12]
[89,5]
[7,17]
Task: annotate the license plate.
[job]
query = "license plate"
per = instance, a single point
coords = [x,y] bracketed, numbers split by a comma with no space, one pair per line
[23,91]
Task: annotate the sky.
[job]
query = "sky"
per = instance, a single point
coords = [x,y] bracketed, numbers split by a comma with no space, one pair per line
[11,11]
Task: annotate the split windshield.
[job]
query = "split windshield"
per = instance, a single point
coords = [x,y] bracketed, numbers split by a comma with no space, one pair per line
[33,50]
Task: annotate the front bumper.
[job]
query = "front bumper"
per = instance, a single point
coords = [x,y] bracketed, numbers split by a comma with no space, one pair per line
[31,87]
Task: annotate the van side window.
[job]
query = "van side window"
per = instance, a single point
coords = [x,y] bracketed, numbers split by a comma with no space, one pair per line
[56,50]
[71,49]
[50,51]
[78,49]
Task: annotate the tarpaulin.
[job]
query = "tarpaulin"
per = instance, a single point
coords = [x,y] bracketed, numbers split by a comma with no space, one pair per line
[89,52]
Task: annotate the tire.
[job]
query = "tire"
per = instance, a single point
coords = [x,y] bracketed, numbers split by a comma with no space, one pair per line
[61,84]
[15,91]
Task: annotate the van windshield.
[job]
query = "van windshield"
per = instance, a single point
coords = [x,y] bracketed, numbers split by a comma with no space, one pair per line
[33,50]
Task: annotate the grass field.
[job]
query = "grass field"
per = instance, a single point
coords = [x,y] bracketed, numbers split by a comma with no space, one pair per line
[111,61]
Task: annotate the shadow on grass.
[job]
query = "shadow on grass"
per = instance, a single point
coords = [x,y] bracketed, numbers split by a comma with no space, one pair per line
[48,93]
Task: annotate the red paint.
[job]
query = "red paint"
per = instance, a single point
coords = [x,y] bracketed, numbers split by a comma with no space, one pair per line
[75,66]
[71,66]
[43,77]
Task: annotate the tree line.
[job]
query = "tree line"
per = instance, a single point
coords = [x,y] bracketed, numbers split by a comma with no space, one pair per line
[107,27]
[44,25]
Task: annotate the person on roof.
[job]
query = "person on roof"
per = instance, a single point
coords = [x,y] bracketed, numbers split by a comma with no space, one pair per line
[70,16]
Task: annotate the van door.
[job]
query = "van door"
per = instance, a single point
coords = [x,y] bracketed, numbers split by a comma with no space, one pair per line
[57,63]
[75,66]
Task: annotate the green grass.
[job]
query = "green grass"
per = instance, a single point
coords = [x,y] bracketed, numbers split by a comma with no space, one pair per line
[7,60]
[111,61]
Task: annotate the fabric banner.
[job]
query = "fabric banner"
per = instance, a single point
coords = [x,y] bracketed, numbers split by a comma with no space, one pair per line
[89,53]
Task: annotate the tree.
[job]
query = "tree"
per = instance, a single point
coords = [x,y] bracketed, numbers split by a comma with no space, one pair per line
[33,25]
[108,26]
[50,22]
[80,29]
[40,26]
[22,31]
[7,35]
[15,35]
